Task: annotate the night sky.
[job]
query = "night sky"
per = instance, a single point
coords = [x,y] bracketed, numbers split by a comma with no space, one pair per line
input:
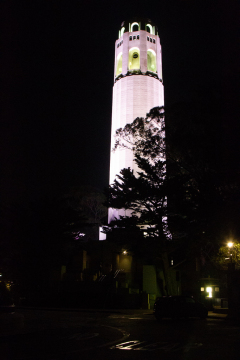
[57,75]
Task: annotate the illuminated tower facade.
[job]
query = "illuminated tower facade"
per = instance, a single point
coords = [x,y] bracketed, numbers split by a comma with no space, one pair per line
[138,86]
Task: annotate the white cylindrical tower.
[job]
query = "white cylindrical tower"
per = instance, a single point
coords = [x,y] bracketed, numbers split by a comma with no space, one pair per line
[138,86]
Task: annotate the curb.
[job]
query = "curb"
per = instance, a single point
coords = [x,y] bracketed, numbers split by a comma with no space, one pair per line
[213,314]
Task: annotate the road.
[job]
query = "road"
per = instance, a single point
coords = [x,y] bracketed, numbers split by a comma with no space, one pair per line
[34,334]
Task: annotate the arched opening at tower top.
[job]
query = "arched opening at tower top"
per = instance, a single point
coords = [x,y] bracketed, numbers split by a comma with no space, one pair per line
[122,31]
[134,59]
[134,27]
[150,29]
[119,64]
[151,61]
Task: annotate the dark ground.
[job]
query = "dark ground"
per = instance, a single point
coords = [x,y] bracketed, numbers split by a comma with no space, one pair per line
[41,334]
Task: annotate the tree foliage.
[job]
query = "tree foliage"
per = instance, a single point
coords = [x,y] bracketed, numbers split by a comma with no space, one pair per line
[86,203]
[198,148]
[227,255]
[201,182]
[143,193]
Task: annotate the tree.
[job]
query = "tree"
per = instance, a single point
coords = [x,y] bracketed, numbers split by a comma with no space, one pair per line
[202,198]
[198,147]
[89,201]
[145,193]
[227,255]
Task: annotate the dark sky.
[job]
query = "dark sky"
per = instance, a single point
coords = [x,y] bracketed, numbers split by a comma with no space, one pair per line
[57,76]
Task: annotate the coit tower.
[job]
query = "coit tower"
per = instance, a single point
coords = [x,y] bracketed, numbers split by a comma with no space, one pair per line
[138,86]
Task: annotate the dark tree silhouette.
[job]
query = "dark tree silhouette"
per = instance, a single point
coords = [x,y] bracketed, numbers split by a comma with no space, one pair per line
[202,196]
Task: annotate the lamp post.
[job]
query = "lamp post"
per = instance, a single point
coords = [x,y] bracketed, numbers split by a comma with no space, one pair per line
[230,282]
[230,244]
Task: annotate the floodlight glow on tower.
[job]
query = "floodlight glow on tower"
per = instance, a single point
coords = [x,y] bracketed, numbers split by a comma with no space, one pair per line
[138,86]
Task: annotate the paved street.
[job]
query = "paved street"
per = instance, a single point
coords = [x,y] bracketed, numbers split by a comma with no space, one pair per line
[40,334]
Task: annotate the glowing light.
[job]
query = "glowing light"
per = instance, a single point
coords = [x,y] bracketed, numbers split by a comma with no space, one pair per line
[129,345]
[230,244]
[8,286]
[134,58]
[124,252]
[119,64]
[102,236]
[202,288]
[151,61]
[209,290]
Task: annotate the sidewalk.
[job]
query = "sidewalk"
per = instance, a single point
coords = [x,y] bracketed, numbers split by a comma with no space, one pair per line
[217,315]
[220,310]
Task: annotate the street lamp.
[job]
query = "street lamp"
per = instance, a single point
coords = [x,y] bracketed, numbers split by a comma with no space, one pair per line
[231,282]
[230,245]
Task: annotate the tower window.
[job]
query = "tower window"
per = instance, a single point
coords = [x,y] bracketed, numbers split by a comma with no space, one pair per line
[138,37]
[122,31]
[119,64]
[134,38]
[150,39]
[149,28]
[117,45]
[130,38]
[147,38]
[135,27]
[151,61]
[134,59]
[154,41]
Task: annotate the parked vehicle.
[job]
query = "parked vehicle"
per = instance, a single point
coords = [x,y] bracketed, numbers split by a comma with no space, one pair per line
[179,306]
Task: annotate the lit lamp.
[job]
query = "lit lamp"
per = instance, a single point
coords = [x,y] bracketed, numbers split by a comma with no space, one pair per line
[230,283]
[209,290]
[230,245]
